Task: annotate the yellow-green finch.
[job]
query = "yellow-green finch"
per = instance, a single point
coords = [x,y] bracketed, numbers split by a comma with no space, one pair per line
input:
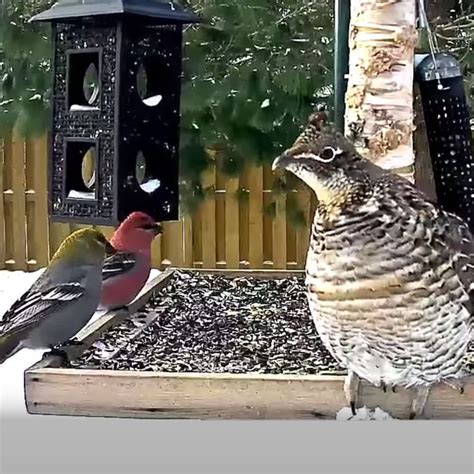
[61,301]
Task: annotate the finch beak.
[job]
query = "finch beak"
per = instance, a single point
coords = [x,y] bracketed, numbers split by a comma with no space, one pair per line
[281,162]
[156,228]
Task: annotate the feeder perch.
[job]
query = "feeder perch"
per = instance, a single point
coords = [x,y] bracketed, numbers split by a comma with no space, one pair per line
[115,132]
[449,135]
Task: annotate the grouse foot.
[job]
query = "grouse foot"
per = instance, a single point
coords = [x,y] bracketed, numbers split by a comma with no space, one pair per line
[351,388]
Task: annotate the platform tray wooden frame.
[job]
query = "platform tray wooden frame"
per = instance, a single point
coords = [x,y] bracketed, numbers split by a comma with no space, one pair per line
[51,389]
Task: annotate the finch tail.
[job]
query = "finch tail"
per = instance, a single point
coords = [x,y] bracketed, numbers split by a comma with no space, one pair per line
[8,347]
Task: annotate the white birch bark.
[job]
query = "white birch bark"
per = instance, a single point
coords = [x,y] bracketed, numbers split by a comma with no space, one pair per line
[379,98]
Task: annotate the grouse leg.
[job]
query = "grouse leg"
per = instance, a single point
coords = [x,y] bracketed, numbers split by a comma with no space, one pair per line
[419,402]
[383,386]
[351,387]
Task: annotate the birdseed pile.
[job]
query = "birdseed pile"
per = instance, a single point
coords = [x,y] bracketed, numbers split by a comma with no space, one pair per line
[208,323]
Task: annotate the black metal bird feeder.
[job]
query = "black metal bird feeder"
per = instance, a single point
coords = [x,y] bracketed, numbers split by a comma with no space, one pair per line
[116,98]
[449,136]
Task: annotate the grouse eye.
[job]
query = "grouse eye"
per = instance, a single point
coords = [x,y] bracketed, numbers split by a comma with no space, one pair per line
[328,154]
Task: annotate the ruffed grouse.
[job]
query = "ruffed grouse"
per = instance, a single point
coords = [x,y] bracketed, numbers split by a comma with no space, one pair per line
[388,273]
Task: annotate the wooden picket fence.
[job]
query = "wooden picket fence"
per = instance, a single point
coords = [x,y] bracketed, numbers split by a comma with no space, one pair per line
[225,232]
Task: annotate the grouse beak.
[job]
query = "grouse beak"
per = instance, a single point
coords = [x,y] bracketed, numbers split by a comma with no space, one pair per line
[281,162]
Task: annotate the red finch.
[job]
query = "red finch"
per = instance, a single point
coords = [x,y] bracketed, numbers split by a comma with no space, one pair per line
[127,270]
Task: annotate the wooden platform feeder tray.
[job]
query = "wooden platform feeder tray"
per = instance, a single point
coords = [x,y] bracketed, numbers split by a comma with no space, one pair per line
[52,389]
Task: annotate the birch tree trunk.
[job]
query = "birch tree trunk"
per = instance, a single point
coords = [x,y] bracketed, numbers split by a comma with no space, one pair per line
[379,97]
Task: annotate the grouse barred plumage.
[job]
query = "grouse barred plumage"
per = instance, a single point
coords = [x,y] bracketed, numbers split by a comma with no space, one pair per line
[389,274]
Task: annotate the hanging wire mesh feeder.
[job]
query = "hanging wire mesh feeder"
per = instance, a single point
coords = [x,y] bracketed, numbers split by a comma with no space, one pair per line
[447,125]
[446,115]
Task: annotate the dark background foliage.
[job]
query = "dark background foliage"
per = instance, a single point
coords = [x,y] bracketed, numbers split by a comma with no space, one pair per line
[253,70]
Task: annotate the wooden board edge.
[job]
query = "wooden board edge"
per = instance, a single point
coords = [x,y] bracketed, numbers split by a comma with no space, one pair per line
[149,289]
[327,377]
[91,332]
[220,396]
[71,372]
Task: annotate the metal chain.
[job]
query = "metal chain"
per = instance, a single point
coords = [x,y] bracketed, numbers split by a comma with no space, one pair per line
[432,39]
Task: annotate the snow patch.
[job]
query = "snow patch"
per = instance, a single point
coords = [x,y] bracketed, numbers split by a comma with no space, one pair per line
[83,108]
[363,414]
[153,101]
[12,285]
[151,186]
[80,194]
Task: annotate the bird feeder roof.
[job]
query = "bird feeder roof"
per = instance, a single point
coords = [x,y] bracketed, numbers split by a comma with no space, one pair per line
[430,67]
[161,11]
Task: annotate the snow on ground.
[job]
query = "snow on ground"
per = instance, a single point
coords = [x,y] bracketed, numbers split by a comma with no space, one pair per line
[12,286]
[363,414]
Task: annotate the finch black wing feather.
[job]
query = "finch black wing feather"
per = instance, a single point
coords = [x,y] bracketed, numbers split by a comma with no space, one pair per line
[36,304]
[118,264]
